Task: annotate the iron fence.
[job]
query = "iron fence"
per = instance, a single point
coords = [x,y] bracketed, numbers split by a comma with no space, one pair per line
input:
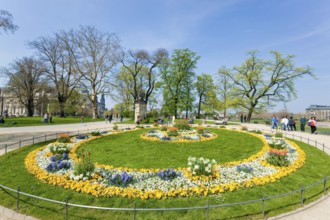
[301,191]
[207,207]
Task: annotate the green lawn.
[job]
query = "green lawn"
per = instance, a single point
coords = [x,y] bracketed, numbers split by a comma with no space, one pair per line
[14,174]
[37,121]
[129,150]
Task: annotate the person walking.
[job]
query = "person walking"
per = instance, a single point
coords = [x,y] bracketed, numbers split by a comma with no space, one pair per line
[291,124]
[106,118]
[50,118]
[110,118]
[46,118]
[274,122]
[312,124]
[303,122]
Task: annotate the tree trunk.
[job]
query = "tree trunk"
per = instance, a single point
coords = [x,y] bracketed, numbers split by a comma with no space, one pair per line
[30,106]
[62,112]
[199,107]
[94,103]
[176,107]
[249,116]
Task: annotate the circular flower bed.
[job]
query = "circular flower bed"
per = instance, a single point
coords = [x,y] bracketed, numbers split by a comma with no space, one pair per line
[172,134]
[106,180]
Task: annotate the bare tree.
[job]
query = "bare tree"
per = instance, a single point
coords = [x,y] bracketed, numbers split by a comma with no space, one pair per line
[96,57]
[141,66]
[57,53]
[6,23]
[27,81]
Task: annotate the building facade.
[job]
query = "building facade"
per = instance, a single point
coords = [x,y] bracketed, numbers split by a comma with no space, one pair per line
[321,112]
[10,106]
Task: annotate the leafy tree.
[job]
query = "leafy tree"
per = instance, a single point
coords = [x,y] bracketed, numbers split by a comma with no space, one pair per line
[6,23]
[57,53]
[122,90]
[261,83]
[27,80]
[225,90]
[178,76]
[97,53]
[204,86]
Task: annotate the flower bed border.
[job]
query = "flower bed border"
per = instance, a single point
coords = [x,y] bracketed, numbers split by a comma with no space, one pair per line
[97,190]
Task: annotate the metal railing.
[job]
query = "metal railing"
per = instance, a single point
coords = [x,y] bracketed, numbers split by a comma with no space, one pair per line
[135,209]
[301,192]
[52,136]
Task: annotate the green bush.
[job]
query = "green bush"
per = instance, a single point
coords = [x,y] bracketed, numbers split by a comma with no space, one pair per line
[163,128]
[115,127]
[244,128]
[146,121]
[183,125]
[277,160]
[279,135]
[85,167]
[95,133]
[63,140]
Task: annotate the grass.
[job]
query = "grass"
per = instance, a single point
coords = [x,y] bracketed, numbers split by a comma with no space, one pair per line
[14,174]
[129,150]
[37,121]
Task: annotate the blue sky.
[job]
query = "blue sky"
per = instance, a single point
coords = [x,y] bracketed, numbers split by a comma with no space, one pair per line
[220,31]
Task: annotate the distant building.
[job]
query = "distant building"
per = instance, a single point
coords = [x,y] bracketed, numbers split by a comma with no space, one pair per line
[11,106]
[321,112]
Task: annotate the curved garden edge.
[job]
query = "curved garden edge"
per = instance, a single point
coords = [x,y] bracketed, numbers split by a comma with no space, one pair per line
[97,190]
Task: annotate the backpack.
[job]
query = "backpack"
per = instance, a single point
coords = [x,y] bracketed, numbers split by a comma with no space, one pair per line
[311,123]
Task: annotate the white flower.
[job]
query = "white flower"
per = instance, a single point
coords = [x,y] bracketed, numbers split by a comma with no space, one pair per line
[196,167]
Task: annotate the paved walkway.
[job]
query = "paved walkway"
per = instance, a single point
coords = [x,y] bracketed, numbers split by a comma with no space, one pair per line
[317,210]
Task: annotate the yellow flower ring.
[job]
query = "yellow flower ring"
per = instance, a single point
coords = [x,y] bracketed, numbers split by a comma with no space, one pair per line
[96,189]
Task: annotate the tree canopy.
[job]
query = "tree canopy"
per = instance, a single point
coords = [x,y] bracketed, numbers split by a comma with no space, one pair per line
[6,22]
[261,83]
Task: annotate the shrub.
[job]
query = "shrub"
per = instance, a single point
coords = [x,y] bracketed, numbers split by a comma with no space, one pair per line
[256,131]
[244,128]
[85,166]
[168,174]
[63,140]
[115,127]
[146,121]
[200,130]
[163,128]
[201,166]
[277,158]
[222,126]
[172,132]
[256,122]
[155,124]
[279,135]
[81,136]
[183,125]
[95,133]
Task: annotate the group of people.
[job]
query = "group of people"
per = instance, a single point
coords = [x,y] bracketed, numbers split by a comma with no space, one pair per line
[289,124]
[108,118]
[48,117]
